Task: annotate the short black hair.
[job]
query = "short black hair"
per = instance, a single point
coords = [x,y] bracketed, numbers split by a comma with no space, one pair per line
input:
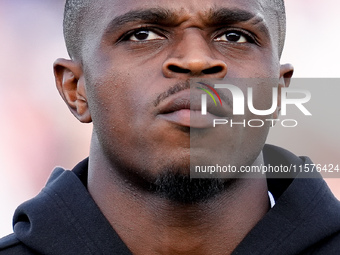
[75,14]
[74,18]
[279,8]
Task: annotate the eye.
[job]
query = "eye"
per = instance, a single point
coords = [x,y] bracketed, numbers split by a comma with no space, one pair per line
[235,37]
[144,35]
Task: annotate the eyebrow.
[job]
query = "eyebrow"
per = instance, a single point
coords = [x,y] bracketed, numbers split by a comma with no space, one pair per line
[226,16]
[230,16]
[152,16]
[161,16]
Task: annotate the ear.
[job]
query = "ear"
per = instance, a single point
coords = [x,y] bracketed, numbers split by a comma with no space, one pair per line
[286,73]
[71,86]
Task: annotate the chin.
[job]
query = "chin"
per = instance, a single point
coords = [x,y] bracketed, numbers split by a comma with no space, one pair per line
[175,185]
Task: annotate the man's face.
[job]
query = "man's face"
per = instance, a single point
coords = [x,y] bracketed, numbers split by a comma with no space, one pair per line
[138,58]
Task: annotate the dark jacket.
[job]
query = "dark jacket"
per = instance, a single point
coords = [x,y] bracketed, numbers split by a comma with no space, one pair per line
[63,219]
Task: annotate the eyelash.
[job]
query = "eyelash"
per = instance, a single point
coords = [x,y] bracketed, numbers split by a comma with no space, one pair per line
[248,35]
[126,36]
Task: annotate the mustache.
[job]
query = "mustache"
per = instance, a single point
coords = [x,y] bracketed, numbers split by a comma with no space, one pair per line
[183,85]
[178,87]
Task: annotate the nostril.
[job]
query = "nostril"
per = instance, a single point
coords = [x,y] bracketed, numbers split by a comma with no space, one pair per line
[213,70]
[177,69]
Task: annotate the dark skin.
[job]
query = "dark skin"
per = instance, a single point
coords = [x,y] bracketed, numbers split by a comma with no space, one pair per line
[115,85]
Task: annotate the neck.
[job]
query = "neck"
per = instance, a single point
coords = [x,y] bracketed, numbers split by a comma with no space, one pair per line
[150,224]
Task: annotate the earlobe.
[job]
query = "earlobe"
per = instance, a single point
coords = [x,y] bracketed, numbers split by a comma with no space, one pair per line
[71,86]
[286,73]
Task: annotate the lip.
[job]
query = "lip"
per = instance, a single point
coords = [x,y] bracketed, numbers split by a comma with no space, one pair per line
[184,109]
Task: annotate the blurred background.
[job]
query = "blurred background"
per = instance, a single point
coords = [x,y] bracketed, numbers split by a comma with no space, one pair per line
[37,132]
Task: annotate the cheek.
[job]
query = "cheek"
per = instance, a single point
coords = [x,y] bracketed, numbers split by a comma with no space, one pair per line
[264,96]
[256,129]
[263,64]
[121,107]
[113,103]
[114,87]
[114,109]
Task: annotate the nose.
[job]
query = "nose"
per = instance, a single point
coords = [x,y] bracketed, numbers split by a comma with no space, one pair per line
[192,57]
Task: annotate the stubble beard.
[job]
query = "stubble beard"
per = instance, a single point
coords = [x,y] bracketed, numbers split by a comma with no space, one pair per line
[178,187]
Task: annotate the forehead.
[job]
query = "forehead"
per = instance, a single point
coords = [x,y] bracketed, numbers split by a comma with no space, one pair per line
[106,10]
[188,5]
[112,15]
